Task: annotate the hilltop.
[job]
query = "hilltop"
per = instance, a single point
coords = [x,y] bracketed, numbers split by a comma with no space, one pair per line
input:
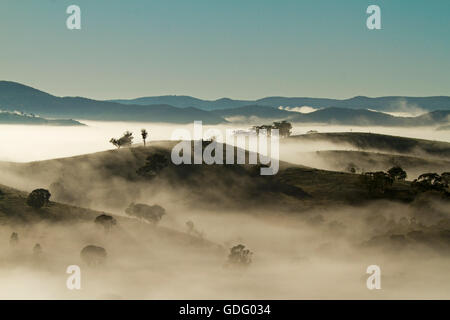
[7,117]
[380,142]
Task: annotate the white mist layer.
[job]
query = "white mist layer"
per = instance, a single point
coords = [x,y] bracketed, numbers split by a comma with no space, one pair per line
[23,143]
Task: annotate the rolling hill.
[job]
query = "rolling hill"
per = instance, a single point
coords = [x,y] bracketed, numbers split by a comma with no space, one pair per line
[18,97]
[339,116]
[380,143]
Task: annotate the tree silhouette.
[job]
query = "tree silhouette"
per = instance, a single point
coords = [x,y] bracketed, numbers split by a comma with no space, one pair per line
[377,182]
[144,135]
[152,214]
[240,256]
[125,141]
[397,173]
[429,181]
[154,164]
[38,198]
[105,221]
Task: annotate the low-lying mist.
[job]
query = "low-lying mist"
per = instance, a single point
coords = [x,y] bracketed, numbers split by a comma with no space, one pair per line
[23,143]
[294,257]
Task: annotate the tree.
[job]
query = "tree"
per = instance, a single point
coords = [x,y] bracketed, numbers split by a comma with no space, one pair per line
[191,230]
[154,164]
[267,127]
[125,141]
[377,182]
[397,173]
[240,256]
[144,135]
[152,214]
[351,167]
[93,255]
[38,198]
[284,128]
[37,249]
[115,142]
[105,221]
[428,182]
[446,177]
[14,239]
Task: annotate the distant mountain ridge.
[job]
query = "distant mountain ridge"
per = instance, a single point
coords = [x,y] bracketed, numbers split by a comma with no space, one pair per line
[15,96]
[18,97]
[7,117]
[392,103]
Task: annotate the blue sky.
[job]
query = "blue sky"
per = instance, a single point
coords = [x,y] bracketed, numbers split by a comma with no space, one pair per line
[243,49]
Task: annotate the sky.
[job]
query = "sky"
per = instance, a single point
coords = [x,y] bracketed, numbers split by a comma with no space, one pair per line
[241,49]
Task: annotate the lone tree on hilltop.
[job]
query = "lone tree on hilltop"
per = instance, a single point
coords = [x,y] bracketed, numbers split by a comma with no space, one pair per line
[144,135]
[397,173]
[38,198]
[125,141]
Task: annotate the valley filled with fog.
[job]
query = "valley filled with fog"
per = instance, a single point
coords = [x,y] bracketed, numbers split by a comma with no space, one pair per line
[24,143]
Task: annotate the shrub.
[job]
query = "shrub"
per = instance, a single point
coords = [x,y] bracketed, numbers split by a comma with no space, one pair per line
[38,198]
[152,214]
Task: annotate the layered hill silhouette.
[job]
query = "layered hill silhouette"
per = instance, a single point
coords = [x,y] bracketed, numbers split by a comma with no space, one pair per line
[393,103]
[184,109]
[18,97]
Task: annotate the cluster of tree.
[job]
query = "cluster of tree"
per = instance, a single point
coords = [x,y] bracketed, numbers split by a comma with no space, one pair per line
[154,164]
[105,221]
[431,181]
[377,182]
[152,214]
[127,139]
[38,198]
[284,128]
[240,256]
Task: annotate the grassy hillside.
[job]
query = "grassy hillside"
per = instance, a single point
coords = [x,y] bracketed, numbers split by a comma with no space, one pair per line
[380,142]
[363,161]
[111,179]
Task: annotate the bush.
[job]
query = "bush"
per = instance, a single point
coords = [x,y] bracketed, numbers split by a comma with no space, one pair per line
[38,198]
[377,182]
[105,221]
[93,255]
[240,256]
[154,164]
[397,173]
[428,182]
[152,214]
